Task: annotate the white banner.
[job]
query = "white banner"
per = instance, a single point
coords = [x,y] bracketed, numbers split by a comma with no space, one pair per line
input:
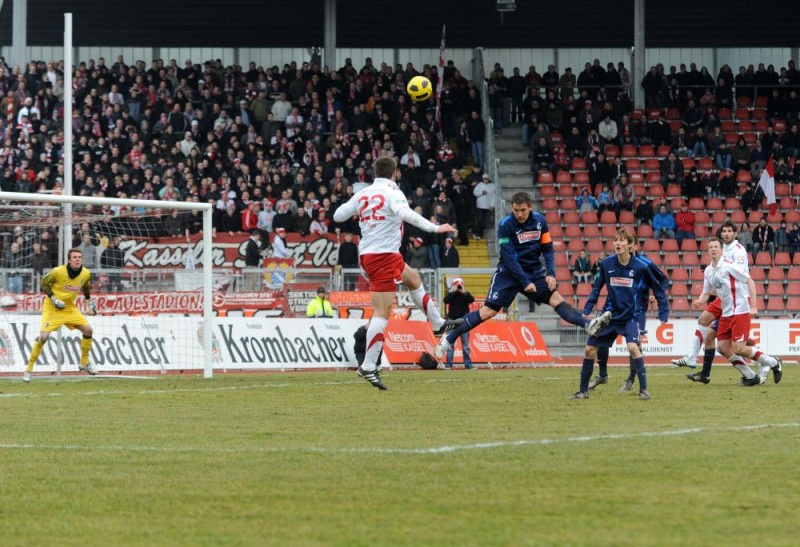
[673,339]
[129,343]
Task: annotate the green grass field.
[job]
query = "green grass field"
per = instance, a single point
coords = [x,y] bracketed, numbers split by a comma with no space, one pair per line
[443,458]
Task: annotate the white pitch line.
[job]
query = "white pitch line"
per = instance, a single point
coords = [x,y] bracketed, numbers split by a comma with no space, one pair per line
[446,449]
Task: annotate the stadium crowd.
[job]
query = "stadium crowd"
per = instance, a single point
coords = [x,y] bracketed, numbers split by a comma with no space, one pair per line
[267,147]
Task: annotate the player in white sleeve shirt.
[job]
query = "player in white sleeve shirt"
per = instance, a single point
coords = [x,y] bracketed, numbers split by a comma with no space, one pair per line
[382,208]
[729,281]
[705,333]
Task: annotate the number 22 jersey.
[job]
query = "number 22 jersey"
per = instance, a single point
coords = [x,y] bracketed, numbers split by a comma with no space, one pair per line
[378,208]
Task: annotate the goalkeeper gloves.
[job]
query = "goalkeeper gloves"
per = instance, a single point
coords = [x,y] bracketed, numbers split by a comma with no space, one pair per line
[93,307]
[59,304]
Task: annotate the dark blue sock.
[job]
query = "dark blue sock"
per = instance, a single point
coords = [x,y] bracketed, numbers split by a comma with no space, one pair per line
[471,320]
[571,315]
[708,360]
[641,372]
[602,361]
[586,373]
[632,374]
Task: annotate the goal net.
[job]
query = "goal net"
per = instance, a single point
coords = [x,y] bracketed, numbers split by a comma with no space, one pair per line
[153,310]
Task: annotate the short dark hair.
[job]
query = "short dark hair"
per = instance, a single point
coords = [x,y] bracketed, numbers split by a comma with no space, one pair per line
[718,240]
[384,167]
[73,250]
[521,198]
[728,224]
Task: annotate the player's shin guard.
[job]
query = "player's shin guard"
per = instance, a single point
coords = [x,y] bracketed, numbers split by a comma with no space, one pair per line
[641,372]
[86,347]
[424,302]
[602,361]
[571,315]
[586,373]
[698,341]
[375,330]
[36,350]
[471,320]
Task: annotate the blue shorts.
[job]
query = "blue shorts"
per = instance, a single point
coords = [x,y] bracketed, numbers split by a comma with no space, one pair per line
[643,324]
[607,335]
[504,288]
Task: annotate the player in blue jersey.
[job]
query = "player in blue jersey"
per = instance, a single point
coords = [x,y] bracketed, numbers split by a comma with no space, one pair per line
[524,238]
[627,277]
[646,300]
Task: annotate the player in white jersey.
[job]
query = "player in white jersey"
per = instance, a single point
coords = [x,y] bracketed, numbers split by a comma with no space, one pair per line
[705,333]
[382,208]
[729,281]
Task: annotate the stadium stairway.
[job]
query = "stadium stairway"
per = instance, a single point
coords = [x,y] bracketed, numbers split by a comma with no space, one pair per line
[516,176]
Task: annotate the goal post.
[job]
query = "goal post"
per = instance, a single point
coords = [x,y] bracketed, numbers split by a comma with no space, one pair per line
[115,220]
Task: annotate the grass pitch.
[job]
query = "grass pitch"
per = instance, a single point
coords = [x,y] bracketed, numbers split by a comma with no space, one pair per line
[442,458]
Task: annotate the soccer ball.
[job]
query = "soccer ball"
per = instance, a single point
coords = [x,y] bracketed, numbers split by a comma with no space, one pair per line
[419,89]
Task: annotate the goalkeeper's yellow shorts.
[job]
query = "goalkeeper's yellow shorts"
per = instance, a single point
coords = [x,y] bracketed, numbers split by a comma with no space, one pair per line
[70,317]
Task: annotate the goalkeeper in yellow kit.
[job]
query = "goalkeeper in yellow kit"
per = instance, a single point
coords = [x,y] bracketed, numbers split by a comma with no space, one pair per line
[61,285]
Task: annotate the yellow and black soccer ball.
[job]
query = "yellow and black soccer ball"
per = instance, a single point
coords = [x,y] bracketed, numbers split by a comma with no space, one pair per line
[419,88]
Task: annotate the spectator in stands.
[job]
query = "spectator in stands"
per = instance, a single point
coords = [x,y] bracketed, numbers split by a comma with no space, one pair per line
[727,183]
[450,257]
[693,184]
[671,170]
[790,141]
[764,239]
[684,224]
[663,224]
[794,239]
[758,159]
[417,254]
[543,158]
[750,200]
[265,217]
[600,172]
[113,259]
[90,252]
[745,237]
[582,268]
[515,89]
[623,196]
[605,199]
[653,86]
[15,258]
[497,88]
[586,202]
[681,144]
[659,131]
[700,144]
[484,202]
[644,212]
[476,131]
[741,155]
[782,244]
[715,139]
[723,158]
[608,131]
[40,261]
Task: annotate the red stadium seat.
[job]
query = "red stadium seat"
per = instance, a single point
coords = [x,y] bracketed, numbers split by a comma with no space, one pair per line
[608,232]
[552,218]
[779,126]
[626,217]
[689,245]
[745,126]
[688,163]
[549,204]
[775,307]
[690,260]
[742,114]
[636,178]
[680,305]
[547,191]
[776,276]
[680,275]
[718,217]
[652,164]
[573,231]
[793,305]
[612,151]
[787,204]
[595,245]
[545,177]
[629,151]
[701,218]
[728,126]
[568,204]
[697,277]
[705,164]
[792,216]
[591,231]
[563,177]
[581,178]
[565,191]
[663,150]
[649,246]
[725,114]
[577,164]
[713,204]
[646,231]
[755,217]
[679,289]
[671,260]
[695,204]
[633,164]
[646,151]
[570,217]
[744,177]
[783,260]
[669,246]
[589,217]
[763,259]
[608,217]
[775,290]
[758,274]
[738,217]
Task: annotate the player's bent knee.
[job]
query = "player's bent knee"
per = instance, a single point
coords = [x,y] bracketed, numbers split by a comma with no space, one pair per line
[590,352]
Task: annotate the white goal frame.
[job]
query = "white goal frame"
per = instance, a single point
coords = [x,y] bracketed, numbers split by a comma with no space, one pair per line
[207,255]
